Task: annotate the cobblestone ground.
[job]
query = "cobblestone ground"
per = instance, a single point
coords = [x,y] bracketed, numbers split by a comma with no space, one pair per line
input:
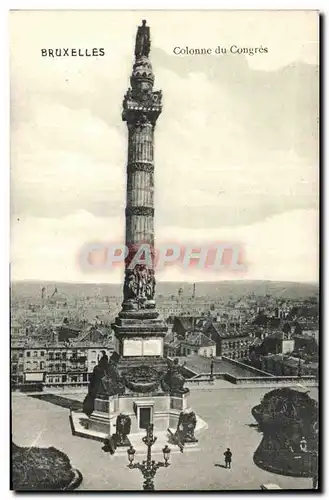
[227,412]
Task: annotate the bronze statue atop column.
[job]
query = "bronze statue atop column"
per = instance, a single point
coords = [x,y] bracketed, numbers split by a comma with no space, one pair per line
[143,41]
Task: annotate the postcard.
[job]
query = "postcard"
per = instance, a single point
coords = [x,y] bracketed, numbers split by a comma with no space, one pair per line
[164,250]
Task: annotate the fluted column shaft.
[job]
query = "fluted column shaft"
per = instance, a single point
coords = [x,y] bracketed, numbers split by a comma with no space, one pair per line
[140,186]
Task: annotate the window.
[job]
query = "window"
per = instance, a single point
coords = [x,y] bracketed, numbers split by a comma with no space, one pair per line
[57,355]
[63,355]
[51,355]
[28,354]
[42,353]
[64,367]
[35,354]
[50,380]
[20,367]
[42,365]
[57,367]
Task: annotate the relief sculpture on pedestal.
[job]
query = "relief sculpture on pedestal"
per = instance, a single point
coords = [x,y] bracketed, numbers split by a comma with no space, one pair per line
[139,288]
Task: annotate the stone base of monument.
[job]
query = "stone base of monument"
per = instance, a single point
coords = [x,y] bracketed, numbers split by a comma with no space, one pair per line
[160,410]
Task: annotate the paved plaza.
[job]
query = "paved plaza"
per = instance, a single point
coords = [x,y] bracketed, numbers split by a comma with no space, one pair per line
[227,413]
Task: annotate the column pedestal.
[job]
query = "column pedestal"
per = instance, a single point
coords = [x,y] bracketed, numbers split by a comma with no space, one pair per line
[164,411]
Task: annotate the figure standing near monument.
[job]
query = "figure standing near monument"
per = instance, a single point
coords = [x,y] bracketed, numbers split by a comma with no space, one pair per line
[228,458]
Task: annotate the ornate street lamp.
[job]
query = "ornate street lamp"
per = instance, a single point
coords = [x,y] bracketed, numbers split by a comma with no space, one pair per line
[148,467]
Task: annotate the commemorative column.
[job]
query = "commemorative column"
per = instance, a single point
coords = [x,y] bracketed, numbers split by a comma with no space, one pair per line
[138,329]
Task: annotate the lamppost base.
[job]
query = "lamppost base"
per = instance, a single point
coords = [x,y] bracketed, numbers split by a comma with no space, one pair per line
[148,486]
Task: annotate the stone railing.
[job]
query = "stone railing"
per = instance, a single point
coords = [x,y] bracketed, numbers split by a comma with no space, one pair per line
[65,384]
[188,372]
[286,380]
[252,369]
[44,386]
[259,380]
[202,378]
[207,376]
[197,381]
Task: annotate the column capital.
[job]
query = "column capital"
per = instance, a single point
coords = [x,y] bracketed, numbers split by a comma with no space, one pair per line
[142,107]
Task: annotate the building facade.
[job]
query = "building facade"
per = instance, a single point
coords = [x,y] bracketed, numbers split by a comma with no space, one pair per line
[230,343]
[58,362]
[194,342]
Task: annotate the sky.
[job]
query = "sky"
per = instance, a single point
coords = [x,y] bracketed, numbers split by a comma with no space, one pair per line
[236,146]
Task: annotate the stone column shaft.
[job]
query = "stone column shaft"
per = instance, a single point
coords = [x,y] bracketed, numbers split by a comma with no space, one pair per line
[138,327]
[141,108]
[140,186]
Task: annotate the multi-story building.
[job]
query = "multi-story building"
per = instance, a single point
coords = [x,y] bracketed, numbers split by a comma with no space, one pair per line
[17,364]
[184,324]
[207,337]
[194,342]
[231,342]
[59,362]
[280,365]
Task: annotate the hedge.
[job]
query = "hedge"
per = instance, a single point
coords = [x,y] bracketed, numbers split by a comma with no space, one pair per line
[40,469]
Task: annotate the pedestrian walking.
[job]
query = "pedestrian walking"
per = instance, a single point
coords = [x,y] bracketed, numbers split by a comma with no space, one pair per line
[228,458]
